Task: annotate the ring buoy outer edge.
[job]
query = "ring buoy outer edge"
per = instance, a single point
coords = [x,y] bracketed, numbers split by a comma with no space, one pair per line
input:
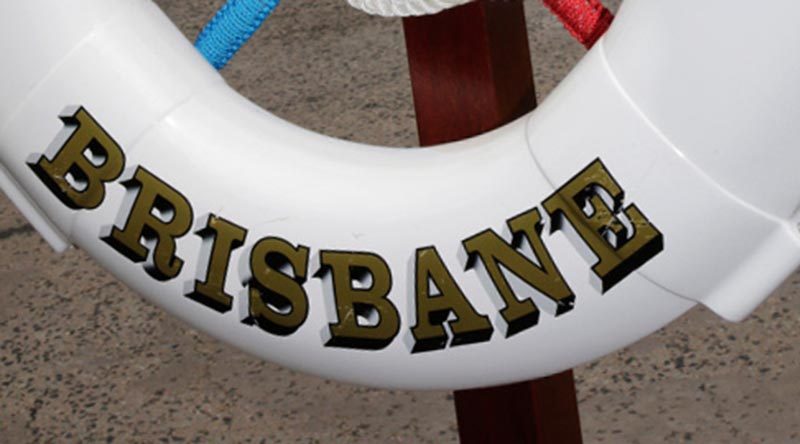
[567,234]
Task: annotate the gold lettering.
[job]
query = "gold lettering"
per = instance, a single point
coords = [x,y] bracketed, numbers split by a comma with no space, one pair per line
[222,237]
[545,277]
[159,215]
[84,158]
[622,240]
[361,283]
[434,310]
[278,302]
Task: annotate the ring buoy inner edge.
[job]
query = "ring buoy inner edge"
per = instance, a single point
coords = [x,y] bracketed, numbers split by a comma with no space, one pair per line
[530,249]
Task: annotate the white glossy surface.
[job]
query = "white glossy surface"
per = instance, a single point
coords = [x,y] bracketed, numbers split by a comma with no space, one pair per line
[173,115]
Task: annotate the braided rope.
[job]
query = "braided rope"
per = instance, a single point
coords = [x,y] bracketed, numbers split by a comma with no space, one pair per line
[586,20]
[231,28]
[404,8]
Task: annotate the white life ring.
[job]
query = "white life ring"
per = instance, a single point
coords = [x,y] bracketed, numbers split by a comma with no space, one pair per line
[659,174]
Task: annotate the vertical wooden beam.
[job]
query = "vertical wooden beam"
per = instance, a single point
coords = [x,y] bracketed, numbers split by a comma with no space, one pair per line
[470,69]
[471,72]
[543,411]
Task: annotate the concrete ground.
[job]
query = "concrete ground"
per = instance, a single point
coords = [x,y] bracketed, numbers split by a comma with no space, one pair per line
[83,359]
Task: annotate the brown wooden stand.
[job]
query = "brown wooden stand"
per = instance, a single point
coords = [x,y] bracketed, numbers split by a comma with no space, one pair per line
[470,73]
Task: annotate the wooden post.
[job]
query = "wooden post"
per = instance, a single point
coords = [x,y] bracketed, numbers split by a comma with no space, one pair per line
[470,69]
[470,73]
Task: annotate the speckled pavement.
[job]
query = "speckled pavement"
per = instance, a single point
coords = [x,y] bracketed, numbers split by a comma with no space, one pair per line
[83,359]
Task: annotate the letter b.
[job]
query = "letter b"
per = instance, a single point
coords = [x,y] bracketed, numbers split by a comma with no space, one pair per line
[83,158]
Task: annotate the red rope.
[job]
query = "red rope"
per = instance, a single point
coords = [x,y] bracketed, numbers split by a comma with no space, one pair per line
[586,20]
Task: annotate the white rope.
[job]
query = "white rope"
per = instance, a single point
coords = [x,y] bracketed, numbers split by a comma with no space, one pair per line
[404,8]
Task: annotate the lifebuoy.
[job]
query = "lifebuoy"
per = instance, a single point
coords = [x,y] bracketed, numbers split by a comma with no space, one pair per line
[659,174]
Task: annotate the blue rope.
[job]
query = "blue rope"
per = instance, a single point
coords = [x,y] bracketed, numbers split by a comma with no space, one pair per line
[231,28]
